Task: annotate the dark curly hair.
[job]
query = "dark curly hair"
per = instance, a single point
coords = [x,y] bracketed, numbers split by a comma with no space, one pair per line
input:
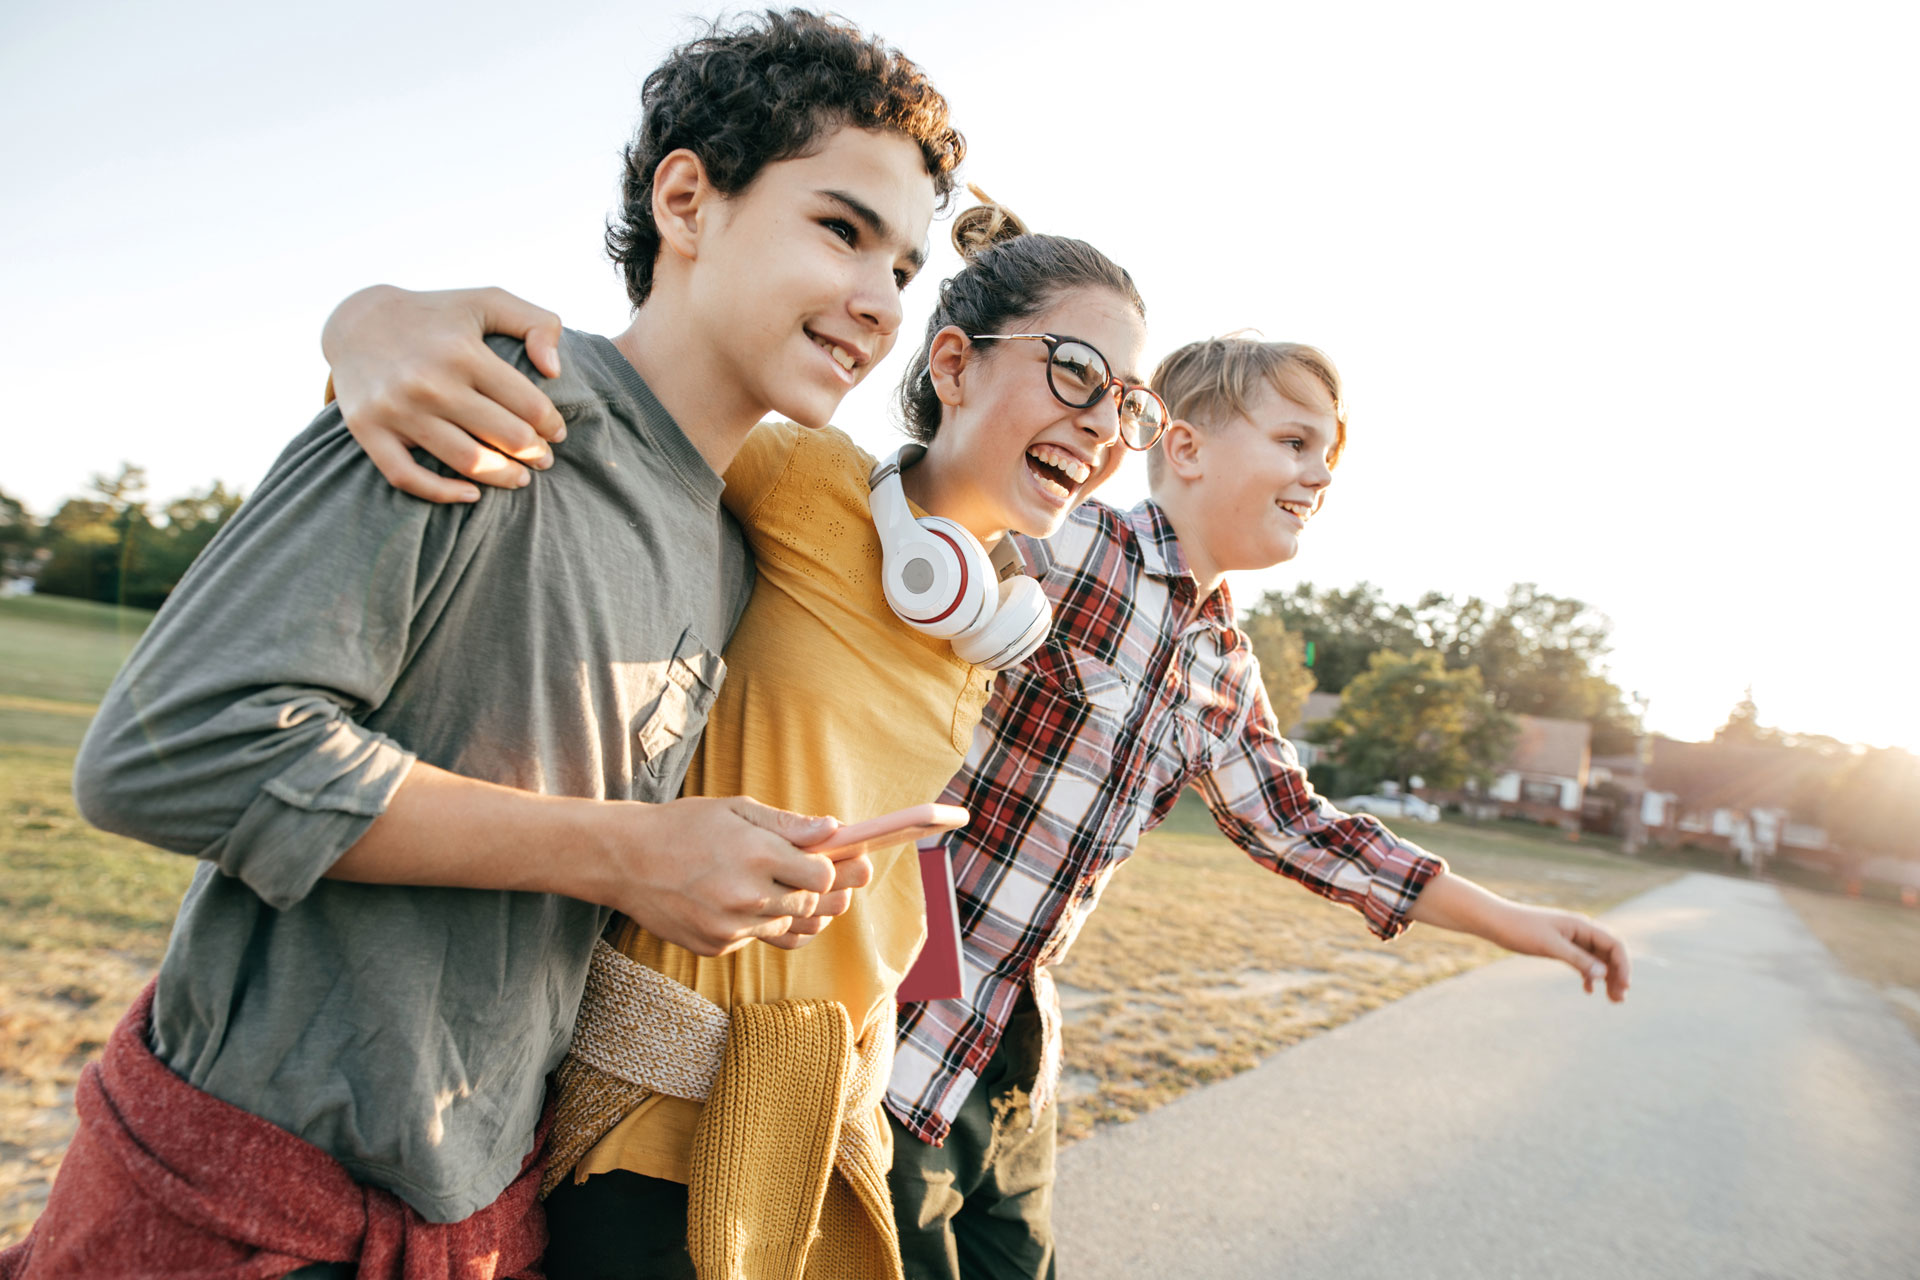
[1011,275]
[745,97]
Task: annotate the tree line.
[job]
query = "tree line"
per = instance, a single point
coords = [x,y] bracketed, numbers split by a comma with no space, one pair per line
[1431,689]
[1866,799]
[112,545]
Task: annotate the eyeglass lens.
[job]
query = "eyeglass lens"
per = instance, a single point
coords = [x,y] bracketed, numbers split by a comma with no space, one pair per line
[1141,418]
[1079,376]
[1079,373]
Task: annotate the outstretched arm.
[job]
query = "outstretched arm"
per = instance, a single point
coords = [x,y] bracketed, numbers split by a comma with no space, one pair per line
[413,370]
[1454,902]
[1262,802]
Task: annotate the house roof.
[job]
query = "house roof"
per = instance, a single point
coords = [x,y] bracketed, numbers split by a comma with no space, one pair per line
[1719,775]
[1554,747]
[1320,706]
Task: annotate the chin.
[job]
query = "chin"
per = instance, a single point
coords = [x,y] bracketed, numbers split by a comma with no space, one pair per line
[812,412]
[1277,550]
[1284,551]
[1040,525]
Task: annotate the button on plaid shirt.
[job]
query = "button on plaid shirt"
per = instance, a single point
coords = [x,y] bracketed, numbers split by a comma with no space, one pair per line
[1140,691]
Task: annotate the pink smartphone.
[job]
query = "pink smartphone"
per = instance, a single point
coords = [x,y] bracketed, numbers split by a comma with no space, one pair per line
[900,827]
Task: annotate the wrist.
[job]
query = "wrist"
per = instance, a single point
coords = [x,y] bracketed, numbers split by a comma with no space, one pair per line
[350,313]
[609,847]
[582,856]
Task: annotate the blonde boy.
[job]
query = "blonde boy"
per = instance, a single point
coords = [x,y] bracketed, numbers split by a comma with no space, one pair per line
[1145,688]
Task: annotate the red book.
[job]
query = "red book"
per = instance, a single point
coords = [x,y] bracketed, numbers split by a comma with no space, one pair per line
[936,974]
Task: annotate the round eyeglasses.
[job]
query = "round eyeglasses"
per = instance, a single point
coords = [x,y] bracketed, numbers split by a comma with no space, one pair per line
[1078,375]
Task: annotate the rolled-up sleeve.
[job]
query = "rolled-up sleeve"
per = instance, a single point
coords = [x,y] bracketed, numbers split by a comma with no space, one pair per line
[233,732]
[1261,800]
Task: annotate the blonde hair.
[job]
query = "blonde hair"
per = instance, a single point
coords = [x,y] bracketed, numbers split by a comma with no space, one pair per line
[1213,380]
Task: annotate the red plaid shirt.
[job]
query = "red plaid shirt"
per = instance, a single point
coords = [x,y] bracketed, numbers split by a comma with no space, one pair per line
[1140,692]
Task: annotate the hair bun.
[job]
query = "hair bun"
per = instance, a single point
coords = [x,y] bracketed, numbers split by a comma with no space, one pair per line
[984,225]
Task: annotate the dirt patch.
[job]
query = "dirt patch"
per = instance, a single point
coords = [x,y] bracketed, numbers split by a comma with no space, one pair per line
[1877,941]
[83,921]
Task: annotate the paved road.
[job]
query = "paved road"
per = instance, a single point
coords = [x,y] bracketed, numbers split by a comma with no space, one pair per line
[1751,1111]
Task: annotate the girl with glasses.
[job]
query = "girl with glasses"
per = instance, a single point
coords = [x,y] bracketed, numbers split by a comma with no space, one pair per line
[1022,399]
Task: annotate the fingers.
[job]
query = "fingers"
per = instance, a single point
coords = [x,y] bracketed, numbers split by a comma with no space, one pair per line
[1613,953]
[505,387]
[390,449]
[503,312]
[1594,953]
[391,455]
[848,875]
[792,903]
[1557,944]
[795,828]
[477,414]
[746,882]
[805,929]
[852,873]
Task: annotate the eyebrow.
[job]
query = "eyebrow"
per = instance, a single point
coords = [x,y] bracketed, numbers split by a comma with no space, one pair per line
[876,225]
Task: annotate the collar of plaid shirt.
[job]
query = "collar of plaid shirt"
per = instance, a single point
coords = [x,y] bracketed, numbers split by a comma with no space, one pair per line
[1137,694]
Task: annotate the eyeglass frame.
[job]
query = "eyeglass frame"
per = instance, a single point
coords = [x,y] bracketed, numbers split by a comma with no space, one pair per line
[1053,341]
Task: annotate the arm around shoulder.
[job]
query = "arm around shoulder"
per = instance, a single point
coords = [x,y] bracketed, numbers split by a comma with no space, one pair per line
[413,370]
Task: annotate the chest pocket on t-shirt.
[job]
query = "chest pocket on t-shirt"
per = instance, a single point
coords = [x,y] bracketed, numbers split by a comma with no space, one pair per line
[671,722]
[1079,708]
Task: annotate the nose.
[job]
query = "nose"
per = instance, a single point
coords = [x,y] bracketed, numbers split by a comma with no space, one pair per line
[1319,475]
[1101,419]
[877,302]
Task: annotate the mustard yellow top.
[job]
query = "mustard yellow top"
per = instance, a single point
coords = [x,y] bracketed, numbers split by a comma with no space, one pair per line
[831,705]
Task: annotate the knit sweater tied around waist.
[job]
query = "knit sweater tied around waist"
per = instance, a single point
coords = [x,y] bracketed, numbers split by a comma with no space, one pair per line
[789,1167]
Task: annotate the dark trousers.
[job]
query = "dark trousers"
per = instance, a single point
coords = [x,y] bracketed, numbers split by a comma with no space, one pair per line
[618,1226]
[982,1205]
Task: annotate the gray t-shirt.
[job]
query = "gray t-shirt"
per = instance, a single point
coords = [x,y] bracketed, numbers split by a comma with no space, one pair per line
[562,638]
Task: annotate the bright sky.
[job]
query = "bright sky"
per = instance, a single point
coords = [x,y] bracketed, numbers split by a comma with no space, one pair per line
[1624,295]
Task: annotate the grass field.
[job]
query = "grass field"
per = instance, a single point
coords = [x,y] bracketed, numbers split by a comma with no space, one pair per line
[1198,965]
[83,915]
[1878,941]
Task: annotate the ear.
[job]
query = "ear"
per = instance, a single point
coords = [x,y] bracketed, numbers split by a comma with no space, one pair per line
[1183,448]
[682,197]
[947,357]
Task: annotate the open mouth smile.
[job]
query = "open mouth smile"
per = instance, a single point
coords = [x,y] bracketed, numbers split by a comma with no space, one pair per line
[846,357]
[1058,471]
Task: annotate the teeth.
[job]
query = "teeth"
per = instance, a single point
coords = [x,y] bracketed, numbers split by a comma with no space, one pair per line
[1301,509]
[1062,461]
[843,357]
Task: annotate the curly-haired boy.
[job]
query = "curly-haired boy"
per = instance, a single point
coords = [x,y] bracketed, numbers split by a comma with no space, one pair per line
[408,845]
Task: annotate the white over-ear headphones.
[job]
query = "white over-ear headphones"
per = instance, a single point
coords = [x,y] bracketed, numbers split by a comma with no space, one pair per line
[941,581]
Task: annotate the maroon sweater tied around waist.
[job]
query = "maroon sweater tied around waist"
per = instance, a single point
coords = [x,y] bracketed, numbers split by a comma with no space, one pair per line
[164,1180]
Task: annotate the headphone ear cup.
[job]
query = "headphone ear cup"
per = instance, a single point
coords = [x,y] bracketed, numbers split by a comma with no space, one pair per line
[1018,626]
[937,577]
